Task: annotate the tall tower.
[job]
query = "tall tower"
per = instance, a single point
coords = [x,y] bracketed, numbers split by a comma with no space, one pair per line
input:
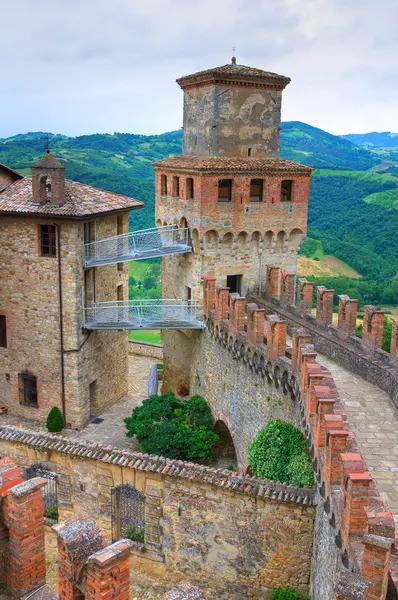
[246,208]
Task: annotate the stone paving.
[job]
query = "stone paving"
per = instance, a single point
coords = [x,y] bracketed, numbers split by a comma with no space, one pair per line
[374,421]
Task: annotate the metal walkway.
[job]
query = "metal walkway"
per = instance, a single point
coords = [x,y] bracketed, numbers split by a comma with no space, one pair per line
[143,314]
[136,245]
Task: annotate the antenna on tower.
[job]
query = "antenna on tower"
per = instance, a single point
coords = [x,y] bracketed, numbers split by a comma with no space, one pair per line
[233,61]
[47,144]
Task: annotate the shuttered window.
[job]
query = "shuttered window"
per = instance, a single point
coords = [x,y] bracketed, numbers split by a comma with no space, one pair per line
[47,240]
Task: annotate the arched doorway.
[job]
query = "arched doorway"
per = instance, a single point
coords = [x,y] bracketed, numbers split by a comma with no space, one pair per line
[223,450]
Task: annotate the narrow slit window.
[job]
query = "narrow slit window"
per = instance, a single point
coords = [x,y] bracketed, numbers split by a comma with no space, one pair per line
[3,331]
[47,240]
[163,185]
[176,187]
[225,190]
[190,189]
[249,152]
[286,190]
[256,190]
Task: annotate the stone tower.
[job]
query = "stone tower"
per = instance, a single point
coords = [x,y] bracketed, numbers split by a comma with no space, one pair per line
[246,208]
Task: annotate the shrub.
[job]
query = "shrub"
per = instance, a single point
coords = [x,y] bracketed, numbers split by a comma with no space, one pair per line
[134,533]
[286,593]
[279,453]
[55,420]
[51,512]
[174,428]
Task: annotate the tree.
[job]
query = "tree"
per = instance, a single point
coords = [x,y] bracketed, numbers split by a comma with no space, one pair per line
[174,428]
[55,421]
[149,282]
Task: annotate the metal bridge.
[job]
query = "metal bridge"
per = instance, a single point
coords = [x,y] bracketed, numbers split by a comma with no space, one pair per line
[136,245]
[143,314]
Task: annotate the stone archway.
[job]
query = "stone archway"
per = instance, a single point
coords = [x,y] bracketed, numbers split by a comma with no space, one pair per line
[223,450]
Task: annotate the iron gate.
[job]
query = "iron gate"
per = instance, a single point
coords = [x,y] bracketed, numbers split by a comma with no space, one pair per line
[50,492]
[127,513]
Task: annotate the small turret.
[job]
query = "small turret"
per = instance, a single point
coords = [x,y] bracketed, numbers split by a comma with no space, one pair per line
[48,180]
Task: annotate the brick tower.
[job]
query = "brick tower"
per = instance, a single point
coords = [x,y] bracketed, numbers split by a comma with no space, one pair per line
[246,208]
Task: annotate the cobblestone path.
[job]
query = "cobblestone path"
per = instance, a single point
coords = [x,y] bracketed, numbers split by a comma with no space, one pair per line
[374,421]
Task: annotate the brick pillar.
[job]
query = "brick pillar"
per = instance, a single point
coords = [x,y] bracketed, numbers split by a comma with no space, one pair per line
[222,303]
[272,286]
[304,295]
[347,321]
[299,338]
[288,286]
[315,379]
[336,444]
[394,338]
[237,312]
[276,336]
[307,359]
[324,406]
[209,294]
[108,573]
[375,565]
[10,475]
[23,510]
[354,500]
[255,324]
[324,305]
[78,538]
[373,326]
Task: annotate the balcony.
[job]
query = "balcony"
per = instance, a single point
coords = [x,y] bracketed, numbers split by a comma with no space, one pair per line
[136,245]
[143,314]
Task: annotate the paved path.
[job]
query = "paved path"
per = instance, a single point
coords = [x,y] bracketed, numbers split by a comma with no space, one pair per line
[374,421]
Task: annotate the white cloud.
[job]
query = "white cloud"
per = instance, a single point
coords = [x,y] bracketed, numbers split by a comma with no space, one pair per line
[109,65]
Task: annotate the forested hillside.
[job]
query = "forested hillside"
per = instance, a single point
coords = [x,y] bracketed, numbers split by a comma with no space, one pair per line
[352,211]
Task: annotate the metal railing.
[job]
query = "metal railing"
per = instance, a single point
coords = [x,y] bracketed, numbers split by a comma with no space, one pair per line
[136,245]
[143,314]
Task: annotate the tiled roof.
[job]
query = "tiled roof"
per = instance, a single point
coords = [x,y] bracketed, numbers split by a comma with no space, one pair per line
[237,73]
[48,161]
[157,464]
[233,165]
[19,176]
[80,201]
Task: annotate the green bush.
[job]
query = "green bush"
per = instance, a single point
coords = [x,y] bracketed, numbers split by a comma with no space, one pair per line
[286,593]
[279,452]
[55,421]
[135,533]
[51,512]
[174,428]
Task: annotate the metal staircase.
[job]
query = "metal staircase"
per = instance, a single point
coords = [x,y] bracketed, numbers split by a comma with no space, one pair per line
[136,245]
[143,314]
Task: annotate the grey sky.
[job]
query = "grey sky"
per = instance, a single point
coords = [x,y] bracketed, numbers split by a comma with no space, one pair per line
[85,66]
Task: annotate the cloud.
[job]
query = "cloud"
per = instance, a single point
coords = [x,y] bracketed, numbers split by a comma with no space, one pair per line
[87,66]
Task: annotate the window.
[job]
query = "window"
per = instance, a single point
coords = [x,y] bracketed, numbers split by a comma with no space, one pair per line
[188,292]
[234,283]
[48,240]
[225,190]
[190,190]
[249,152]
[176,187]
[256,190]
[120,242]
[286,190]
[50,491]
[163,185]
[89,232]
[3,332]
[127,513]
[28,389]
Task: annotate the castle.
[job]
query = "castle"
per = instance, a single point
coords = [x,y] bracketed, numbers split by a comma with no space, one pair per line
[237,328]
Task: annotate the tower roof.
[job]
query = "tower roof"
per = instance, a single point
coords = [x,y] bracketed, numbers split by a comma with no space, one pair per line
[234,74]
[48,161]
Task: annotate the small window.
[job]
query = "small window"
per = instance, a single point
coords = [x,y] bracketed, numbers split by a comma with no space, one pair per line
[89,232]
[234,283]
[188,292]
[190,189]
[176,187]
[163,185]
[48,240]
[3,332]
[256,190]
[249,152]
[225,190]
[28,389]
[286,190]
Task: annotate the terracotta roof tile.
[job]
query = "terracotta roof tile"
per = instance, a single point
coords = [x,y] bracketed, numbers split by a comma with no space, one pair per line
[233,165]
[81,200]
[234,72]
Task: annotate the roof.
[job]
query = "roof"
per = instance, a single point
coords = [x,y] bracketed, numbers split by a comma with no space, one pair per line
[235,165]
[2,166]
[234,73]
[157,464]
[48,161]
[81,200]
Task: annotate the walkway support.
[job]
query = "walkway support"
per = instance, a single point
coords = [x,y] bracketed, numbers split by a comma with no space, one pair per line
[137,245]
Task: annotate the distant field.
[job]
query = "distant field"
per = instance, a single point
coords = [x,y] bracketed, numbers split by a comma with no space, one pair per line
[152,336]
[326,266]
[388,198]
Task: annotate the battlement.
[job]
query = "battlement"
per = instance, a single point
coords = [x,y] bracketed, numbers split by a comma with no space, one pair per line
[363,528]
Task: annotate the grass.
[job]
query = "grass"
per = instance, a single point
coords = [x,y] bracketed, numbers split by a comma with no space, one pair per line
[152,336]
[325,266]
[138,268]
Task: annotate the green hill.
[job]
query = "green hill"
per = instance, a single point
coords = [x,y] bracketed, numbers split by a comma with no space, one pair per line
[384,139]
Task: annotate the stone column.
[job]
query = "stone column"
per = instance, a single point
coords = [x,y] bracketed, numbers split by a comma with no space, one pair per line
[288,285]
[255,324]
[209,294]
[347,320]
[304,295]
[272,287]
[237,312]
[276,336]
[373,326]
[222,303]
[324,305]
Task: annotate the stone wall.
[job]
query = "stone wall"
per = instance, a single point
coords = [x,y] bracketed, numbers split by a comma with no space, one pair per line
[146,349]
[29,295]
[226,532]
